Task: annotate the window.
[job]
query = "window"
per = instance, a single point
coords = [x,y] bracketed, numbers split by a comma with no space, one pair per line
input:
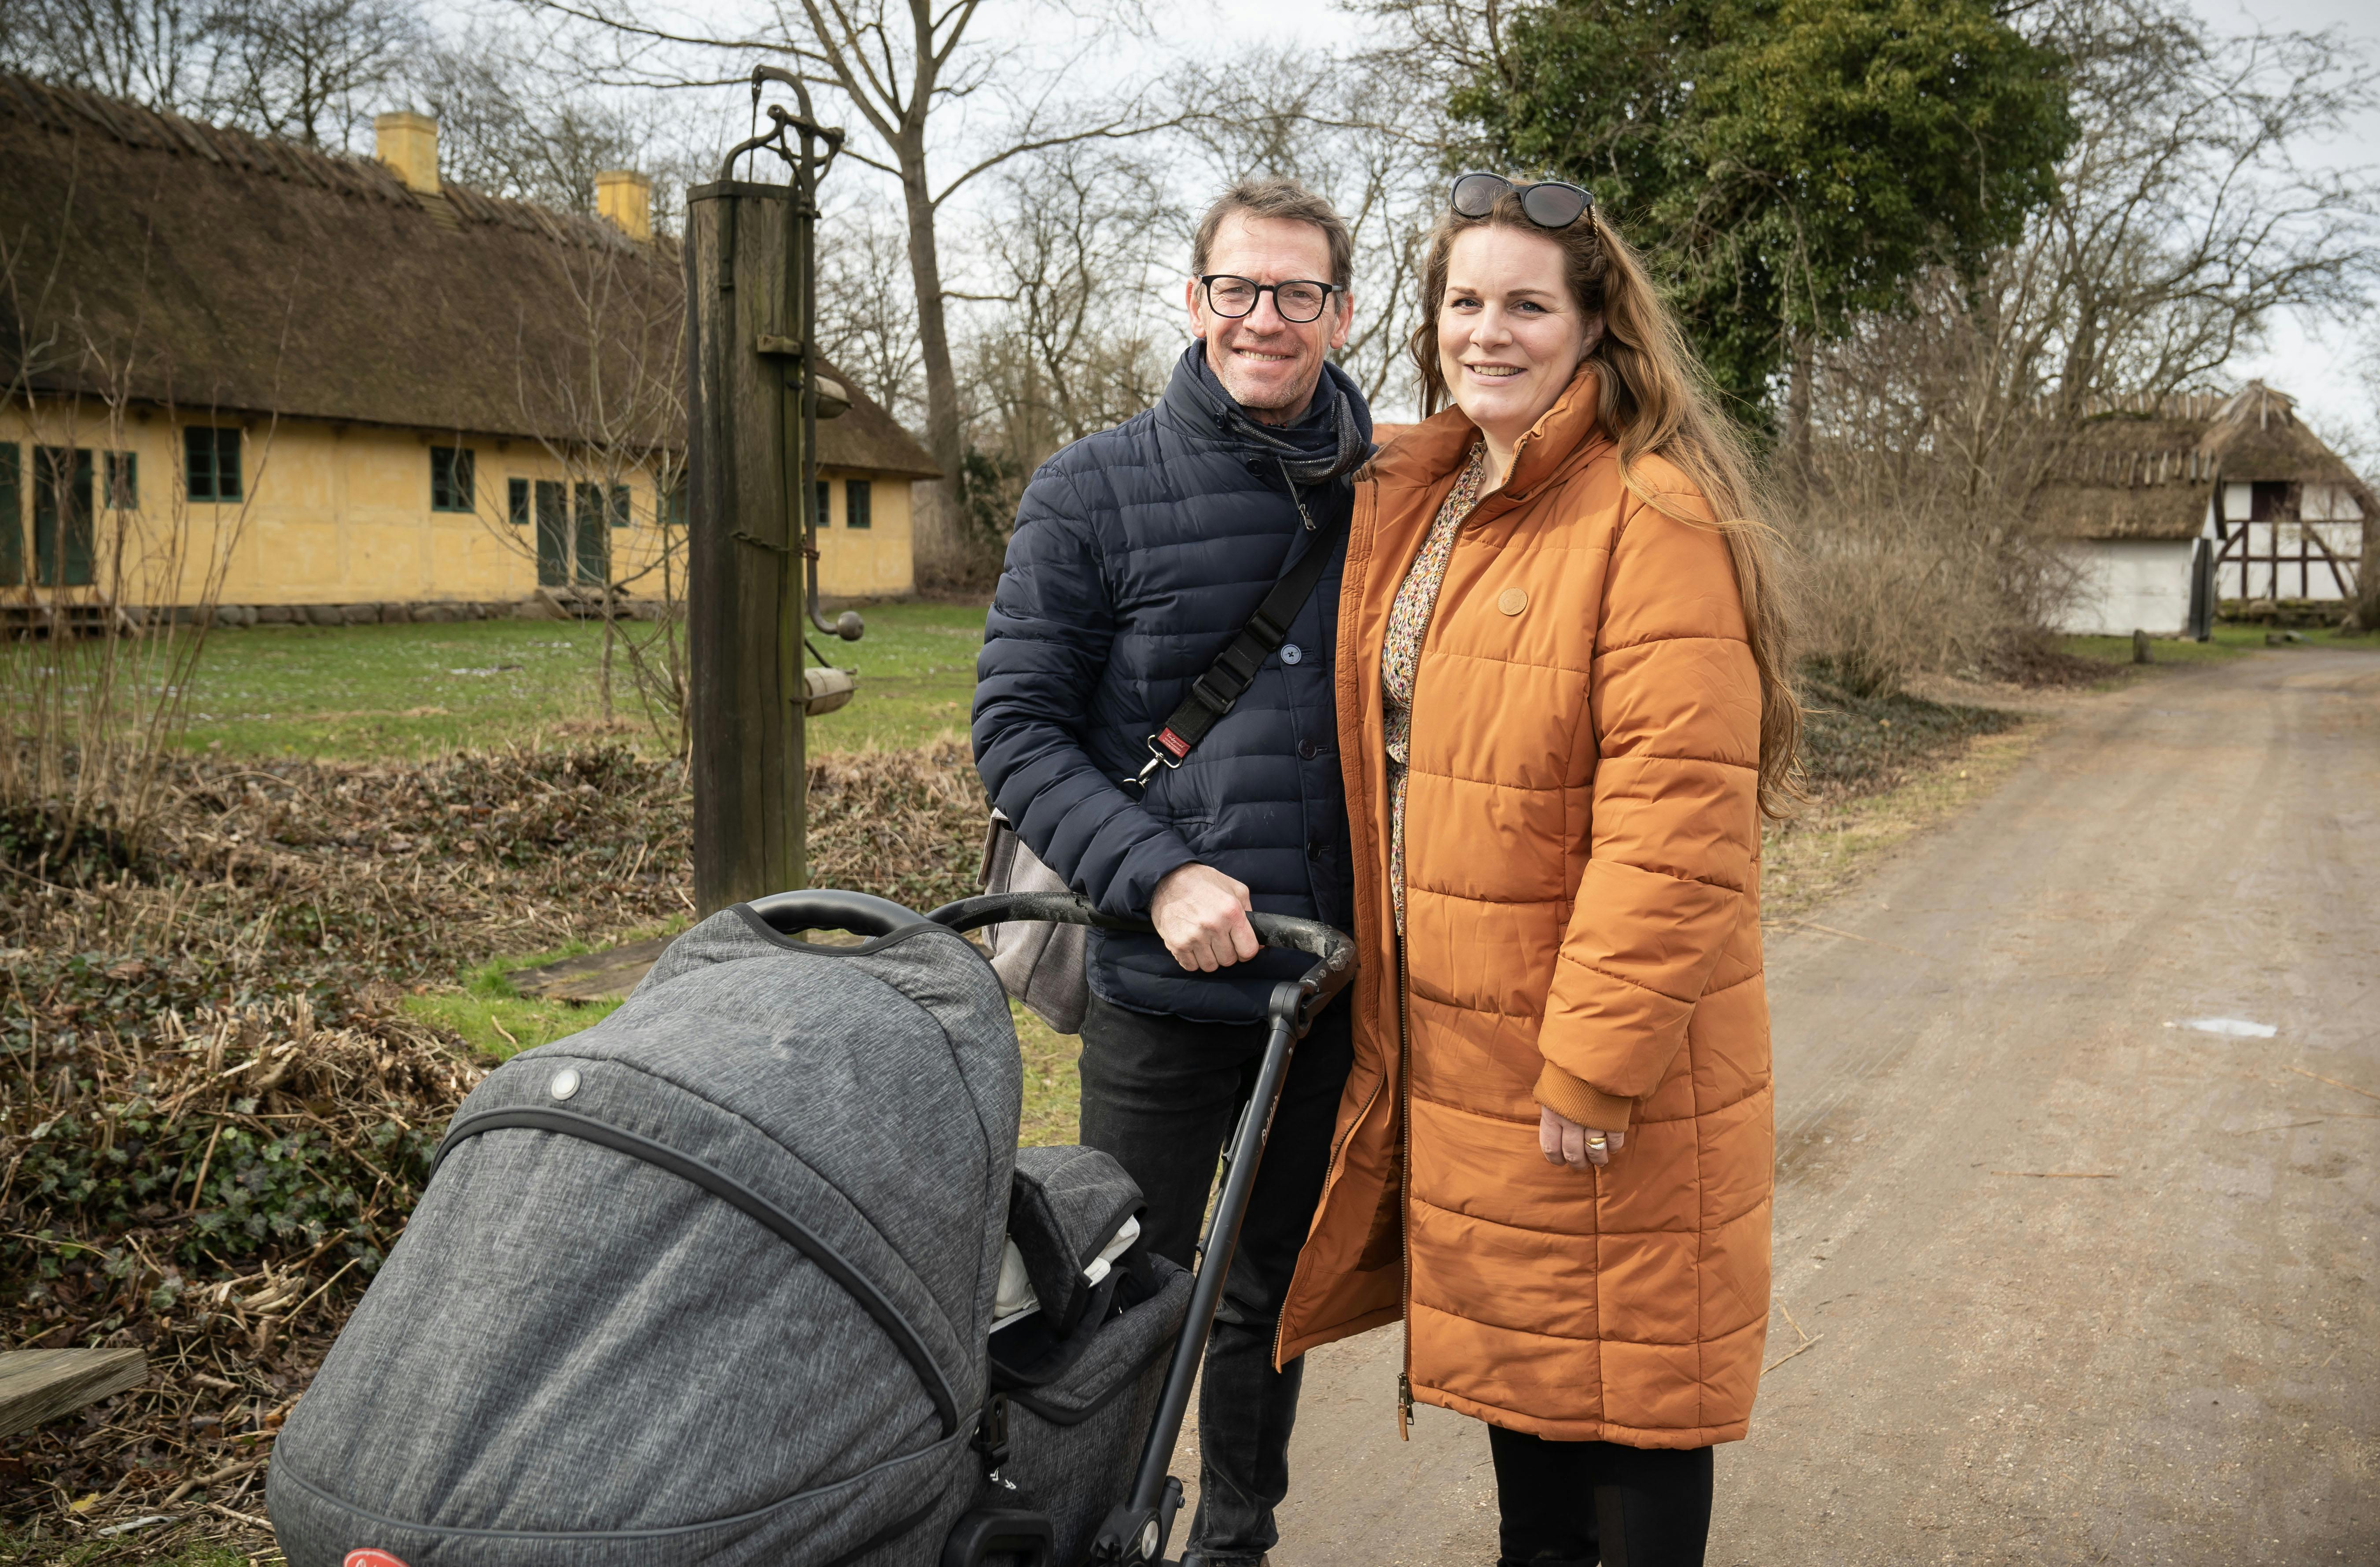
[516,502]
[450,478]
[825,517]
[62,530]
[854,503]
[210,462]
[2272,501]
[12,515]
[673,505]
[621,516]
[123,472]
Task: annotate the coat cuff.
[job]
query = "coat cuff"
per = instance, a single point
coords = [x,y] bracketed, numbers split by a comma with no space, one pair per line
[1582,1102]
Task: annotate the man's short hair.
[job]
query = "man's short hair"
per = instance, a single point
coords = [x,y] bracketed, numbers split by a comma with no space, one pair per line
[1278,199]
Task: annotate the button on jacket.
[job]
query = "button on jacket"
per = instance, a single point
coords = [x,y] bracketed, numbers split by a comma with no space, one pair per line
[1583,932]
[1139,553]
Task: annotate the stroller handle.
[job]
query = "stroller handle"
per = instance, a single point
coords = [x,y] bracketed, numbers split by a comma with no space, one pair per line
[1311,937]
[864,915]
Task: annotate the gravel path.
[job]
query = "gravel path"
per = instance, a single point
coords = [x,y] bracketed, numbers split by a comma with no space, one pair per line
[2081,1282]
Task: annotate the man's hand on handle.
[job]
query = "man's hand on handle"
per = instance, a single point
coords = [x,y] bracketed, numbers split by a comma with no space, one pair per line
[1564,1141]
[1202,916]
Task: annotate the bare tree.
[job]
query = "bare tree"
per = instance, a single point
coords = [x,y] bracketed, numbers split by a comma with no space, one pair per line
[103,618]
[2184,220]
[159,53]
[1069,250]
[868,308]
[308,70]
[1370,134]
[2182,224]
[311,70]
[1064,341]
[905,67]
[612,403]
[511,122]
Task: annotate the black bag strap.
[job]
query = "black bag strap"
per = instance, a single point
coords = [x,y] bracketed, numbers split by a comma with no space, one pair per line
[1235,670]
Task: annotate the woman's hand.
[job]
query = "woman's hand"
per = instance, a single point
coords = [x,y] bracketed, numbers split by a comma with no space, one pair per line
[1566,1142]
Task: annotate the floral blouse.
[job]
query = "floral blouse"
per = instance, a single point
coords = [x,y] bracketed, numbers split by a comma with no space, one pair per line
[1400,652]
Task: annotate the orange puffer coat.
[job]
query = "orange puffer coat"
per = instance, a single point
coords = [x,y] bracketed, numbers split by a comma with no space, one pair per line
[1582,836]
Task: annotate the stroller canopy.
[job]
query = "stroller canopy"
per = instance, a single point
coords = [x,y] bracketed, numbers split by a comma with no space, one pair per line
[826,1133]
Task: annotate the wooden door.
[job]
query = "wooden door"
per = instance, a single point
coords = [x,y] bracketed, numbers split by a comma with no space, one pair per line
[594,536]
[63,557]
[552,534]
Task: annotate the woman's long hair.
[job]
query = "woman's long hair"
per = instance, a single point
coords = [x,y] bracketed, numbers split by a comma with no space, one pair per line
[1655,399]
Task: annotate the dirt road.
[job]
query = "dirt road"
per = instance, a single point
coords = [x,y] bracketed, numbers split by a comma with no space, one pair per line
[2081,1283]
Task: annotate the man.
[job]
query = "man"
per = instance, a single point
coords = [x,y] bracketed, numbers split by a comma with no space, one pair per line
[1139,553]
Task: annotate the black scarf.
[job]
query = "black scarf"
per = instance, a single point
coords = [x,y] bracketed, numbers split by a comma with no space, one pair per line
[1332,439]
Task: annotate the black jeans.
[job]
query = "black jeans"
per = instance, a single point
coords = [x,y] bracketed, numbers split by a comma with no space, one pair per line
[1162,1094]
[1572,1504]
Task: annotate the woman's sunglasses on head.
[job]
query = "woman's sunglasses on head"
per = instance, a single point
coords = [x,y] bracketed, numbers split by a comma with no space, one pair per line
[1550,204]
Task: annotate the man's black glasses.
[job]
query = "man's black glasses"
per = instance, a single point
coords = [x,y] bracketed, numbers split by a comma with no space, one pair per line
[1299,301]
[1552,204]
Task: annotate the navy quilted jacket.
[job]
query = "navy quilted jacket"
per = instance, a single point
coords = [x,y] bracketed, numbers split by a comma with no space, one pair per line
[1139,553]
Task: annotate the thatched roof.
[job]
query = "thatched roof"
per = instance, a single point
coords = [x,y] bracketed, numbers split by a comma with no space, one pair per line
[868,439]
[180,264]
[2143,467]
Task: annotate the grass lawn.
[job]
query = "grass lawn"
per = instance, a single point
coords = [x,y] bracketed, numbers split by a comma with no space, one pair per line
[495,1019]
[492,1015]
[367,692]
[2229,641]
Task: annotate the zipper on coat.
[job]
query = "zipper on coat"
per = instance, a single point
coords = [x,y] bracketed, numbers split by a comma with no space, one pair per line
[1405,1187]
[1404,995]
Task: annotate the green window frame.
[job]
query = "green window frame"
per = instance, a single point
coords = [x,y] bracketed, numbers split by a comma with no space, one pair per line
[452,471]
[858,502]
[622,514]
[674,505]
[123,481]
[63,552]
[210,462]
[516,502]
[825,493]
[12,515]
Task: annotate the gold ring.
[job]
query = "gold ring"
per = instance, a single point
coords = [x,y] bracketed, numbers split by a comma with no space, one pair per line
[1598,1141]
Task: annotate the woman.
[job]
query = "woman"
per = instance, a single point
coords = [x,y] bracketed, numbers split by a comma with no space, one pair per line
[1562,715]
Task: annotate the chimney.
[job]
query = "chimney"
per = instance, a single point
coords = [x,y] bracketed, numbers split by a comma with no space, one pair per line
[626,197]
[407,142]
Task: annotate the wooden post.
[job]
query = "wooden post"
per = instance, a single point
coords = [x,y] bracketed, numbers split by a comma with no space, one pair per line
[743,547]
[753,405]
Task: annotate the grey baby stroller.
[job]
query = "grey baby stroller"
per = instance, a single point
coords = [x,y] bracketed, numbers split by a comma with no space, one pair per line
[752,1272]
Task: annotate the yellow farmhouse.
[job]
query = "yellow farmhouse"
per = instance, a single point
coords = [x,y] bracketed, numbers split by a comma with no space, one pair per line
[334,389]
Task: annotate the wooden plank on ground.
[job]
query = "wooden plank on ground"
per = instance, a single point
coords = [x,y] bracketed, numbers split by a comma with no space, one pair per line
[592,976]
[39,1385]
